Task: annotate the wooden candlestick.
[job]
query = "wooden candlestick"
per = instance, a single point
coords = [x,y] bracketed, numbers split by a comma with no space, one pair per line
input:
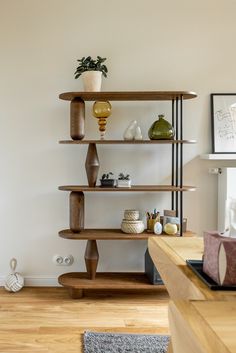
[92,164]
[76,211]
[77,119]
[91,257]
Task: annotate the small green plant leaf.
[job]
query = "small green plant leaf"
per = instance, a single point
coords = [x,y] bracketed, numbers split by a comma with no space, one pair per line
[89,64]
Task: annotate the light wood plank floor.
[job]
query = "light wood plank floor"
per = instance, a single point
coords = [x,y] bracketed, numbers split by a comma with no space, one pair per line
[46,320]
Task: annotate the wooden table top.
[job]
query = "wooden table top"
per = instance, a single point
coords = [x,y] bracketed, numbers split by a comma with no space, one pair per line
[203,326]
[170,255]
[181,249]
[201,320]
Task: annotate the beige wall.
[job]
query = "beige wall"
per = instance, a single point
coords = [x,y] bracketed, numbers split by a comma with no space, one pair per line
[150,45]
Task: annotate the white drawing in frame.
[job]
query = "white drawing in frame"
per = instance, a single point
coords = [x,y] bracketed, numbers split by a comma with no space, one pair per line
[224,115]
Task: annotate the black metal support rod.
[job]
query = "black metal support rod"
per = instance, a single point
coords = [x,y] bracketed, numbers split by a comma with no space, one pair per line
[173,159]
[177,156]
[181,166]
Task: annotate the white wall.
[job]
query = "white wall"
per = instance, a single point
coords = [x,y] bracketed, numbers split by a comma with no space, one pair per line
[150,45]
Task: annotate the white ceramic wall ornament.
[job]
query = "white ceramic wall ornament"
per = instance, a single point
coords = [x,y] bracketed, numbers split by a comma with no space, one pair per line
[138,133]
[15,281]
[130,131]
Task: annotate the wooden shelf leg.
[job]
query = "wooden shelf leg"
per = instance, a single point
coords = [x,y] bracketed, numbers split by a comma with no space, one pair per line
[91,257]
[92,164]
[75,293]
[76,211]
[77,119]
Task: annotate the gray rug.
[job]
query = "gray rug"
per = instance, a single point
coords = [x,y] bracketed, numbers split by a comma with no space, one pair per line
[96,342]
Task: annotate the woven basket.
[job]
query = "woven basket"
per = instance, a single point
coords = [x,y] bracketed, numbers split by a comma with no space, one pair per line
[133,227]
[131,215]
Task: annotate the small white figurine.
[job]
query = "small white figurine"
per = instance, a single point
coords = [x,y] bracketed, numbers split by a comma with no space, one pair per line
[130,131]
[157,228]
[138,133]
[14,282]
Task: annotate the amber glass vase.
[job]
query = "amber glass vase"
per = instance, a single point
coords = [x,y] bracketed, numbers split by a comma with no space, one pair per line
[101,111]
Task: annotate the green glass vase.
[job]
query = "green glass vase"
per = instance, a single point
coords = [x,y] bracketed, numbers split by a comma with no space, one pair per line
[161,129]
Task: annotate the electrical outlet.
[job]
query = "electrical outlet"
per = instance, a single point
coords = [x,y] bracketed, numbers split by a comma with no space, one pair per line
[63,260]
[58,260]
[68,260]
[214,171]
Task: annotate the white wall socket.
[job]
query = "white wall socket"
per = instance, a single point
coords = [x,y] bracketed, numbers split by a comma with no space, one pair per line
[214,171]
[68,260]
[57,260]
[63,260]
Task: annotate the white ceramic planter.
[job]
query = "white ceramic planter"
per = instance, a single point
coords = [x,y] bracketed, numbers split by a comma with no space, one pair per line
[92,81]
[123,183]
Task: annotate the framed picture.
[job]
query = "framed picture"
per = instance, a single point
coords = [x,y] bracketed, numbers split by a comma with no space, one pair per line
[223,112]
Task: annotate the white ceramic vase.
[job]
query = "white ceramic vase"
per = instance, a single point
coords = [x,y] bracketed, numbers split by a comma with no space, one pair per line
[138,134]
[130,131]
[92,81]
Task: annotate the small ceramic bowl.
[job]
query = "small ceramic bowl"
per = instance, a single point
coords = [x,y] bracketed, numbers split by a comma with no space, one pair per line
[133,227]
[131,215]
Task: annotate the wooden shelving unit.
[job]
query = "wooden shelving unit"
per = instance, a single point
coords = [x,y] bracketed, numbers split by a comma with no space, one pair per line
[77,282]
[108,234]
[133,188]
[127,142]
[129,95]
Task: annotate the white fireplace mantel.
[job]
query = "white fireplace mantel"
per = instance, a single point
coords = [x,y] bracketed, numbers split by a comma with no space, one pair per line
[219,156]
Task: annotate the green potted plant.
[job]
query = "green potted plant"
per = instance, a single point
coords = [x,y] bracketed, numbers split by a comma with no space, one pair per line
[91,71]
[107,181]
[123,181]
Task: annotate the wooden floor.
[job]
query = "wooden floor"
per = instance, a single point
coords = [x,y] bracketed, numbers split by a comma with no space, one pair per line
[47,320]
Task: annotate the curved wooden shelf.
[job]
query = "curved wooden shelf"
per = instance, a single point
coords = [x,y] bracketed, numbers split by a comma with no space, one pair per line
[126,142]
[133,188]
[129,95]
[108,280]
[109,234]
